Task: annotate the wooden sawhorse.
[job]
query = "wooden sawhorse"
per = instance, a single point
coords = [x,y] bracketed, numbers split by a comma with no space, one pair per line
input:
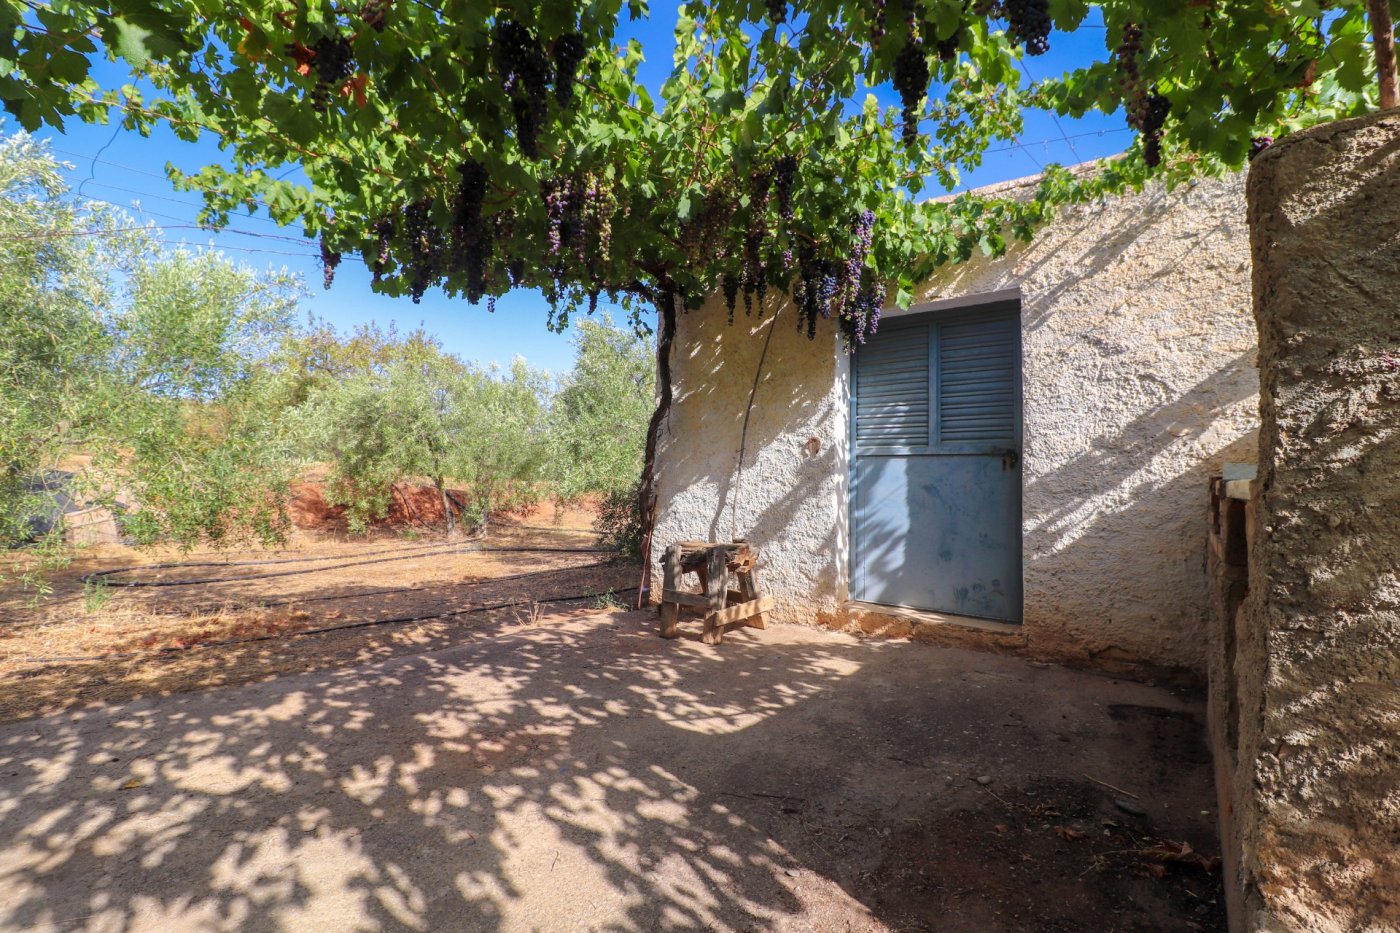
[721,605]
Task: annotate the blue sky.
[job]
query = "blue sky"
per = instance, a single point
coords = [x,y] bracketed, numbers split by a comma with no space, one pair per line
[127,169]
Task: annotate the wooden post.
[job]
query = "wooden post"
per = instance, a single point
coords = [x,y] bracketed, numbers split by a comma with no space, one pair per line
[670,612]
[748,585]
[717,589]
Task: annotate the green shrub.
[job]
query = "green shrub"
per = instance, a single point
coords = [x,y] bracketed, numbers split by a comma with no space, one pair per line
[619,524]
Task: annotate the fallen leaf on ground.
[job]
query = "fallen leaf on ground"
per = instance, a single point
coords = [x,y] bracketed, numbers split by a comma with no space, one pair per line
[1168,850]
[1068,833]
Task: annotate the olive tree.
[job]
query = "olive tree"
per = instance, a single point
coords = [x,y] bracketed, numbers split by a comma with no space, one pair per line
[599,414]
[427,415]
[138,367]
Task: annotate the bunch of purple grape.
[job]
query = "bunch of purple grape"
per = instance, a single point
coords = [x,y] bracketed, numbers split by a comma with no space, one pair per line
[911,78]
[330,258]
[333,63]
[423,245]
[527,72]
[846,290]
[1154,114]
[1029,24]
[471,239]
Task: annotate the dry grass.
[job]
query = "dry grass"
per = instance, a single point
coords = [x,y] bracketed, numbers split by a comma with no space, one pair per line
[243,623]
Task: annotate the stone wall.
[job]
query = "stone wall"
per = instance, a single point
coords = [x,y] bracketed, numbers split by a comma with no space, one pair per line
[1315,787]
[1139,381]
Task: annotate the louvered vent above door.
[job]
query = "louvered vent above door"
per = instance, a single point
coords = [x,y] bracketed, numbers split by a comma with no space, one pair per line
[892,390]
[977,367]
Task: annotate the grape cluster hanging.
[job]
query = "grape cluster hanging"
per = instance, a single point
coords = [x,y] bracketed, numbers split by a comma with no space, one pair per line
[579,211]
[471,239]
[1150,122]
[1028,22]
[845,290]
[332,59]
[330,258]
[754,273]
[1146,109]
[527,74]
[374,12]
[423,245]
[911,80]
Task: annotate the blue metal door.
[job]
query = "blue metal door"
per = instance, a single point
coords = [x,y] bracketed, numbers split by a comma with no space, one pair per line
[936,443]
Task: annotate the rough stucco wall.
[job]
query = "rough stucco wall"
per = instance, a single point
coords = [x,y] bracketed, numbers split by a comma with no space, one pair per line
[1138,355]
[791,502]
[1317,792]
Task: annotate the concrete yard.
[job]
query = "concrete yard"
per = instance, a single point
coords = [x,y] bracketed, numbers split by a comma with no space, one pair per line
[581,773]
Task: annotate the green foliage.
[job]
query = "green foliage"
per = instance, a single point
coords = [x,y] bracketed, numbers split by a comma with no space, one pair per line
[141,368]
[600,412]
[620,525]
[426,414]
[609,600]
[431,152]
[317,356]
[96,594]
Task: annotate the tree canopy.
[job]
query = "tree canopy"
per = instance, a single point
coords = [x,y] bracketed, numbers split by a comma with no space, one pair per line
[140,368]
[427,414]
[600,411]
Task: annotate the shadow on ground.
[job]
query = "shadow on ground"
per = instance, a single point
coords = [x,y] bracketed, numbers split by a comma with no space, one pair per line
[583,774]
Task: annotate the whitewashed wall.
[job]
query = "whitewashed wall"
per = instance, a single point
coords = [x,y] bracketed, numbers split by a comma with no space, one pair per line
[1139,380]
[790,500]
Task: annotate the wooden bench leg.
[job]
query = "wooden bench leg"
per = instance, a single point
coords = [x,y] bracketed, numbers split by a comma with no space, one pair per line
[670,612]
[748,584]
[717,590]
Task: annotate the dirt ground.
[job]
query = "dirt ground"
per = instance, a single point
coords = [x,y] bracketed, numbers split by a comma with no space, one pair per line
[576,772]
[229,616]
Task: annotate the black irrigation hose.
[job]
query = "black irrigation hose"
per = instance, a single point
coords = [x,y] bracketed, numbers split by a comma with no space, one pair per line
[401,620]
[240,607]
[400,552]
[104,575]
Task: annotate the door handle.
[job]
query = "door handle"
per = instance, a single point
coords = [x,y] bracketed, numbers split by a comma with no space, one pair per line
[1010,458]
